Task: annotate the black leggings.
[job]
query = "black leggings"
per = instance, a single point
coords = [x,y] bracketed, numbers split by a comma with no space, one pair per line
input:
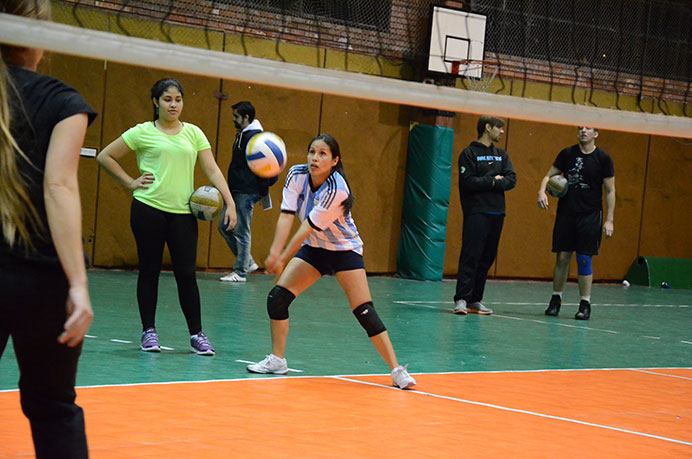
[32,311]
[153,229]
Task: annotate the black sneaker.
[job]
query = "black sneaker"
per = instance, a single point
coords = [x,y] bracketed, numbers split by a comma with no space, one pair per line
[554,306]
[584,310]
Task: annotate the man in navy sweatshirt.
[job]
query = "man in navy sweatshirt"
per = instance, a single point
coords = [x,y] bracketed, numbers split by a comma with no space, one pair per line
[485,173]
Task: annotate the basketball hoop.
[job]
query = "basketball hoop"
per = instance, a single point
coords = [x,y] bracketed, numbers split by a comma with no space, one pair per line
[479,74]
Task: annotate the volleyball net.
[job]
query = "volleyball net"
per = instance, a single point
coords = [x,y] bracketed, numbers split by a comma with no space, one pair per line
[639,50]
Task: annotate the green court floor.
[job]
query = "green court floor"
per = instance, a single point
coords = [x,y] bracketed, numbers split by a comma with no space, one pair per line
[633,327]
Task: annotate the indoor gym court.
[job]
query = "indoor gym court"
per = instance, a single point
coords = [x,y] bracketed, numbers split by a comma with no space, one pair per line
[514,384]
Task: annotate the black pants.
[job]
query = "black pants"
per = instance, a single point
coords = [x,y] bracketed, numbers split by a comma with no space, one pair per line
[32,312]
[481,236]
[153,229]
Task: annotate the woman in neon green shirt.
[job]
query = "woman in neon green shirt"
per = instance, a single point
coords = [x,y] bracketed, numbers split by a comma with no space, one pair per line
[167,150]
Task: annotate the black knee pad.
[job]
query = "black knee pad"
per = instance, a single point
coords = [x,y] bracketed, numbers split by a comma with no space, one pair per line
[278,301]
[369,320]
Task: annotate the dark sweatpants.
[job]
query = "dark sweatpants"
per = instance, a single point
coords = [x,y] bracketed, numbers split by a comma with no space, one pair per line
[153,229]
[480,238]
[32,312]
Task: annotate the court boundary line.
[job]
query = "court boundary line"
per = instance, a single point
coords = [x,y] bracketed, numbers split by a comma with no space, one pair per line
[642,370]
[520,411]
[516,303]
[272,377]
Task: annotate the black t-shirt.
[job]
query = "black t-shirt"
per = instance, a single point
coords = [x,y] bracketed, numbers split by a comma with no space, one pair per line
[585,174]
[44,102]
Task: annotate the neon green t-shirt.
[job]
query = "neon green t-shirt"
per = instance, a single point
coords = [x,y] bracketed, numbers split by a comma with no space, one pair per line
[171,158]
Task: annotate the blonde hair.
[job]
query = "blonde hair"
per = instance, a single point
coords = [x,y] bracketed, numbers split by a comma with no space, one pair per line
[18,214]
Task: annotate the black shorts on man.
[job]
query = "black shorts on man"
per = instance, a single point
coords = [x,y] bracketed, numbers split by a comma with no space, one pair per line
[580,233]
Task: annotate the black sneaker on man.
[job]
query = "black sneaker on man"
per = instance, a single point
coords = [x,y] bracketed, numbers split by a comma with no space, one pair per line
[554,306]
[584,310]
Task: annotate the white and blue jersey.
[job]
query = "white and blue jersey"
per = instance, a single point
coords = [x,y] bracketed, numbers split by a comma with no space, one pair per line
[322,208]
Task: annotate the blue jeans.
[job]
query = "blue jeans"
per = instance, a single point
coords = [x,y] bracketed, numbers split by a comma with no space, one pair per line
[239,238]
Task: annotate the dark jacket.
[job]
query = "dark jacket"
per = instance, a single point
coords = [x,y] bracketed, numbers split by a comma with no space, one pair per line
[240,178]
[478,189]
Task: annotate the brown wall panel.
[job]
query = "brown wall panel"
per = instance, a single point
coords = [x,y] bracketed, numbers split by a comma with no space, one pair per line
[127,103]
[525,247]
[88,77]
[629,152]
[652,173]
[373,138]
[667,203]
[292,115]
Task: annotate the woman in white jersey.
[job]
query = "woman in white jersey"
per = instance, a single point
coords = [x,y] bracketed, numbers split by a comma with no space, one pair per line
[167,150]
[326,242]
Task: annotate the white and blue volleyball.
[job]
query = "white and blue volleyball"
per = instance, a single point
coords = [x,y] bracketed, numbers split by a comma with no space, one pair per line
[206,203]
[266,154]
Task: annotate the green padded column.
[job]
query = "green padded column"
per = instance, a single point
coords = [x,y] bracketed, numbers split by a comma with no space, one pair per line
[426,200]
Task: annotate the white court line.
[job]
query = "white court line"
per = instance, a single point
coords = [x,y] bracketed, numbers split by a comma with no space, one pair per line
[165,348]
[662,374]
[90,336]
[686,342]
[120,341]
[514,303]
[515,410]
[250,362]
[652,337]
[555,323]
[204,381]
[515,318]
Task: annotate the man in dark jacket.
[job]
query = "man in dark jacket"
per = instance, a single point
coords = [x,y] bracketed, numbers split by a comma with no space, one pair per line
[485,173]
[247,189]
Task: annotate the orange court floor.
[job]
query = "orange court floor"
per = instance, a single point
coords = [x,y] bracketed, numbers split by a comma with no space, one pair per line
[514,384]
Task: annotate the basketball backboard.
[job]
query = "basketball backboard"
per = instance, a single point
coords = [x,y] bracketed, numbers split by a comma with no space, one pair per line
[456,36]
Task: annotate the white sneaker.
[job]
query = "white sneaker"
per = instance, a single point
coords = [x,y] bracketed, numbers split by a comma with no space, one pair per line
[233,277]
[401,378]
[271,364]
[459,307]
[252,268]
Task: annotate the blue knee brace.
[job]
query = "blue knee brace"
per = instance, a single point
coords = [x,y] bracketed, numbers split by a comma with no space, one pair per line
[584,265]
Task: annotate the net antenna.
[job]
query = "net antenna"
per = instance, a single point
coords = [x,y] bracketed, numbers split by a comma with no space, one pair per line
[479,74]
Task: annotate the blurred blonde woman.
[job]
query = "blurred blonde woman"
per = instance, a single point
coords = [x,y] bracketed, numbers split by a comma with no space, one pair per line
[45,305]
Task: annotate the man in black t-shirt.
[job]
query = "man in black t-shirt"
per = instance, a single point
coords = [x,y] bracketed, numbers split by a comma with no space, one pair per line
[579,221]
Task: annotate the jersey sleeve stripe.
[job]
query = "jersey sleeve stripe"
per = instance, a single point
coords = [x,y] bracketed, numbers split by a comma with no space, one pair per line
[315,227]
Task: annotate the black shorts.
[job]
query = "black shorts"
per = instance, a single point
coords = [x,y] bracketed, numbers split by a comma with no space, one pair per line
[579,233]
[330,261]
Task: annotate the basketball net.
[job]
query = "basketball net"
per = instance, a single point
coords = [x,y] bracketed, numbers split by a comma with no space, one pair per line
[471,67]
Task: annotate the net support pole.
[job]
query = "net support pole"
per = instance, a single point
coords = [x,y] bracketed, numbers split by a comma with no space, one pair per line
[100,45]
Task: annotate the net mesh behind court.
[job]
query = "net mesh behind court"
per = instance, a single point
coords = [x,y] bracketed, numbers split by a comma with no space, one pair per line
[614,47]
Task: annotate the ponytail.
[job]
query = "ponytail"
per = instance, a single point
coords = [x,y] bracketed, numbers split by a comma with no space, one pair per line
[18,214]
[348,202]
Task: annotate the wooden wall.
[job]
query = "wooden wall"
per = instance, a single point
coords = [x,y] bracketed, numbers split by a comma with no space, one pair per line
[652,173]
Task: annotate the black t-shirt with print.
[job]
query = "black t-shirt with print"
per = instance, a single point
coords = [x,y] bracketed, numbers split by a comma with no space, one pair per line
[585,174]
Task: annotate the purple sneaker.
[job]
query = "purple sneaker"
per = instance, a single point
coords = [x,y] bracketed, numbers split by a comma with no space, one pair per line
[150,341]
[200,345]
